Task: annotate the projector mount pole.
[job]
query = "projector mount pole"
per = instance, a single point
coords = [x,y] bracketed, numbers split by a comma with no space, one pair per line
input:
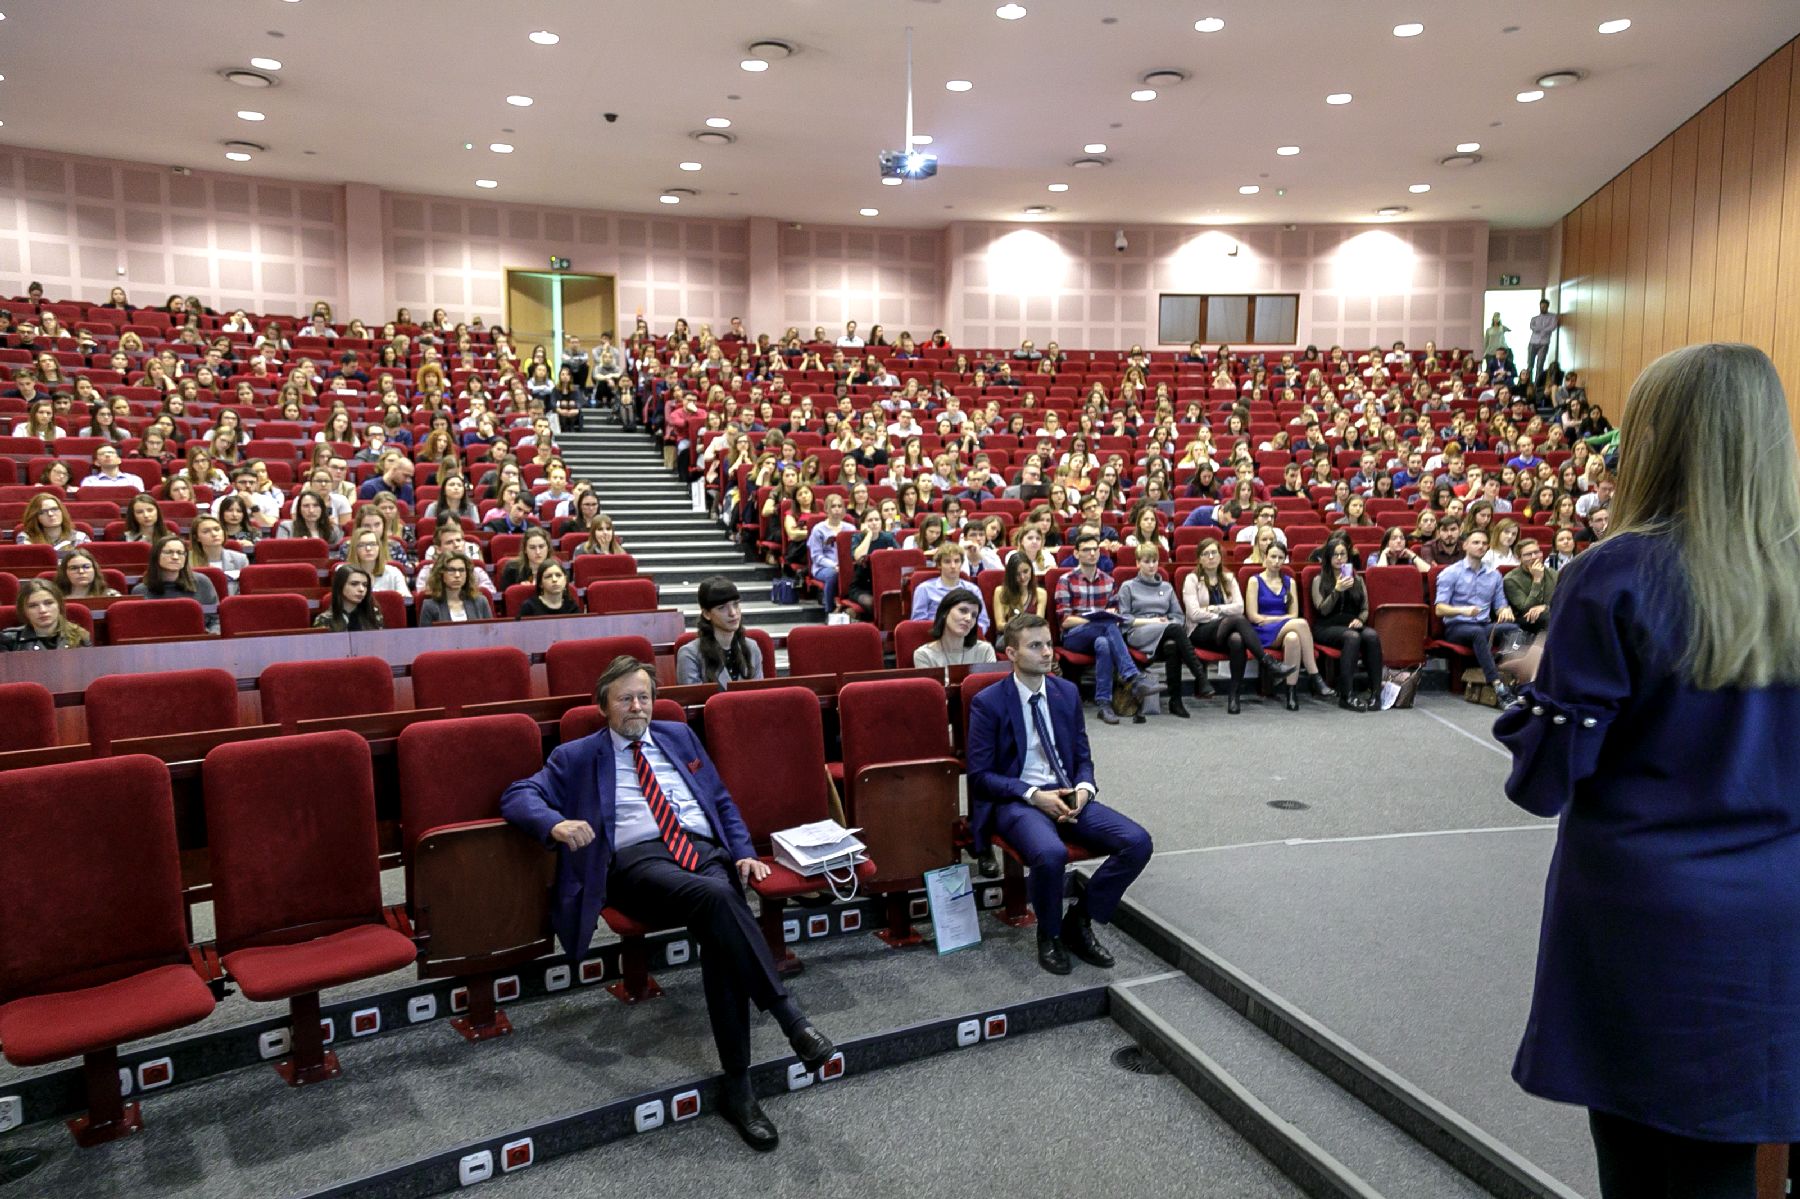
[906,147]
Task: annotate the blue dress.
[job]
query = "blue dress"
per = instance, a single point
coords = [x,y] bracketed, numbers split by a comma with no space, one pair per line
[1668,974]
[1270,602]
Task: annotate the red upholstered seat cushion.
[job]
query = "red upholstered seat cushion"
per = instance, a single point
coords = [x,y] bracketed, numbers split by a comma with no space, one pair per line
[624,926]
[63,1024]
[783,883]
[1077,851]
[283,971]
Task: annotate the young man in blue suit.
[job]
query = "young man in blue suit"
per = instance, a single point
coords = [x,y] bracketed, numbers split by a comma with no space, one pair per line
[644,823]
[1031,781]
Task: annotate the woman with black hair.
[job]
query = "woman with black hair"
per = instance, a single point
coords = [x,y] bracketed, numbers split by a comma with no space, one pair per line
[1341,620]
[955,633]
[551,595]
[721,652]
[1214,606]
[352,607]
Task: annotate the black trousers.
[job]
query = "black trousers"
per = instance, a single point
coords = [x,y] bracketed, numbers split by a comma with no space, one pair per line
[736,967]
[1174,651]
[1640,1162]
[1233,636]
[1358,646]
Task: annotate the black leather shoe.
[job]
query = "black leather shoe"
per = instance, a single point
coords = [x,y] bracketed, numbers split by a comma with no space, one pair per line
[1051,956]
[1177,708]
[744,1113]
[1078,936]
[1276,667]
[1319,687]
[1205,690]
[988,867]
[813,1046]
[1291,697]
[1107,715]
[1233,707]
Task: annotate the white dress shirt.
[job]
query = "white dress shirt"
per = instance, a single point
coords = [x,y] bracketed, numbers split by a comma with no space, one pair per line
[1038,771]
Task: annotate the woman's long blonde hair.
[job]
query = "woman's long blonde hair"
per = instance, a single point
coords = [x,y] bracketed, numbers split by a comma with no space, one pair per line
[1707,459]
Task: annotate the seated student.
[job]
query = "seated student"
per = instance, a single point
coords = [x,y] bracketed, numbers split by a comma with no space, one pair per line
[206,540]
[1155,624]
[450,596]
[79,576]
[1019,592]
[643,823]
[929,593]
[47,522]
[1598,523]
[871,535]
[1340,602]
[107,472]
[351,608]
[551,595]
[1471,599]
[1273,606]
[368,550]
[395,476]
[43,621]
[1529,588]
[955,637]
[516,517]
[534,551]
[1085,606]
[721,653]
[448,539]
[169,576]
[1031,781]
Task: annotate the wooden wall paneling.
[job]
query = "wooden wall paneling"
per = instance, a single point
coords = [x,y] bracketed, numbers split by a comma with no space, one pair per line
[1618,375]
[1734,211]
[1786,341]
[1768,170]
[1708,163]
[1637,261]
[1656,266]
[1684,147]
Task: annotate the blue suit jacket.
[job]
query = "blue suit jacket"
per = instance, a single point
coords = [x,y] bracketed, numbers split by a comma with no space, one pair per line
[997,747]
[577,784]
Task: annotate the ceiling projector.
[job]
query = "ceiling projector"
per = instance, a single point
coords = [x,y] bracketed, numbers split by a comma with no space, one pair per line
[907,164]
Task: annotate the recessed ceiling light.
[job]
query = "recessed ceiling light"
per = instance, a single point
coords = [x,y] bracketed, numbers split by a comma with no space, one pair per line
[1287,151]
[1010,12]
[690,166]
[1094,148]
[1419,189]
[1467,147]
[245,114]
[1037,209]
[718,122]
[1618,26]
[1530,97]
[266,64]
[921,139]
[958,85]
[1564,78]
[755,66]
[1392,210]
[544,37]
[519,101]
[892,181]
[1249,189]
[1338,98]
[1459,161]
[487,183]
[868,212]
[1144,94]
[1409,29]
[237,156]
[670,199]
[1209,24]
[500,147]
[1058,187]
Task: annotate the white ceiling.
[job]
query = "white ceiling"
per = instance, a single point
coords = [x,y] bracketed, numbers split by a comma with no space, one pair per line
[387,91]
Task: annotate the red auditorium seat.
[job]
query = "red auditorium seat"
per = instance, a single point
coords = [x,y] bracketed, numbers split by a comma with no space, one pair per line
[393,609]
[290,826]
[30,716]
[574,667]
[972,686]
[451,678]
[589,567]
[278,576]
[900,785]
[155,705]
[240,614]
[27,559]
[93,942]
[276,550]
[132,557]
[323,688]
[909,636]
[138,619]
[478,888]
[776,783]
[763,641]
[834,649]
[621,595]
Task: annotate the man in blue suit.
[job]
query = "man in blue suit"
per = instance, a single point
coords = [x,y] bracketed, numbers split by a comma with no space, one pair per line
[1031,781]
[644,823]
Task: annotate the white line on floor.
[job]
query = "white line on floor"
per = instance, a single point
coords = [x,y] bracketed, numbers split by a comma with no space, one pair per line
[1458,729]
[1433,832]
[1145,979]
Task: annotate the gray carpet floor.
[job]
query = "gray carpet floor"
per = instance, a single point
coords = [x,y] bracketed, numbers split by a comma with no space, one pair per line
[1052,1116]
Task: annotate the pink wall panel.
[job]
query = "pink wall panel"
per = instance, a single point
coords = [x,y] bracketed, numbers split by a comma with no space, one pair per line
[829,275]
[72,223]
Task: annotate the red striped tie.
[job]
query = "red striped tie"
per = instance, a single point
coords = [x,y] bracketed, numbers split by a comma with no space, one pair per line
[663,812]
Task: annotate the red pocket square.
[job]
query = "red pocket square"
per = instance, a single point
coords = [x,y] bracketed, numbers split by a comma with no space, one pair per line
[694,765]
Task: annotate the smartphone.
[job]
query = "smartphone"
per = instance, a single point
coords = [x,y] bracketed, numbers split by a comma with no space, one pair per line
[1345,571]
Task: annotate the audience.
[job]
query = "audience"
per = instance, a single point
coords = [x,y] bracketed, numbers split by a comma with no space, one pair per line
[955,633]
[1273,606]
[351,606]
[1340,602]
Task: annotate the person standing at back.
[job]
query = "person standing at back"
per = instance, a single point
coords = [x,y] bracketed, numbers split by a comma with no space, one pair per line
[1657,722]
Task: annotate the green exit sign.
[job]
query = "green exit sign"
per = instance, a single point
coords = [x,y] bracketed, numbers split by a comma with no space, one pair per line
[1509,281]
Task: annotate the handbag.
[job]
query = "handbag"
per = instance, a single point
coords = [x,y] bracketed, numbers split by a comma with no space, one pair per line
[781,591]
[825,849]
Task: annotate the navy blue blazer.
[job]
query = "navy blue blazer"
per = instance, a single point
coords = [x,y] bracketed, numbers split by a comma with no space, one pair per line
[577,784]
[1667,990]
[997,747]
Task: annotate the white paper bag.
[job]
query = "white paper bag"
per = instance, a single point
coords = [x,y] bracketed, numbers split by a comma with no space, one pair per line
[825,849]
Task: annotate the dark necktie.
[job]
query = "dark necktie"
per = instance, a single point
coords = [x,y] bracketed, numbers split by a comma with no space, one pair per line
[663,812]
[1046,741]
